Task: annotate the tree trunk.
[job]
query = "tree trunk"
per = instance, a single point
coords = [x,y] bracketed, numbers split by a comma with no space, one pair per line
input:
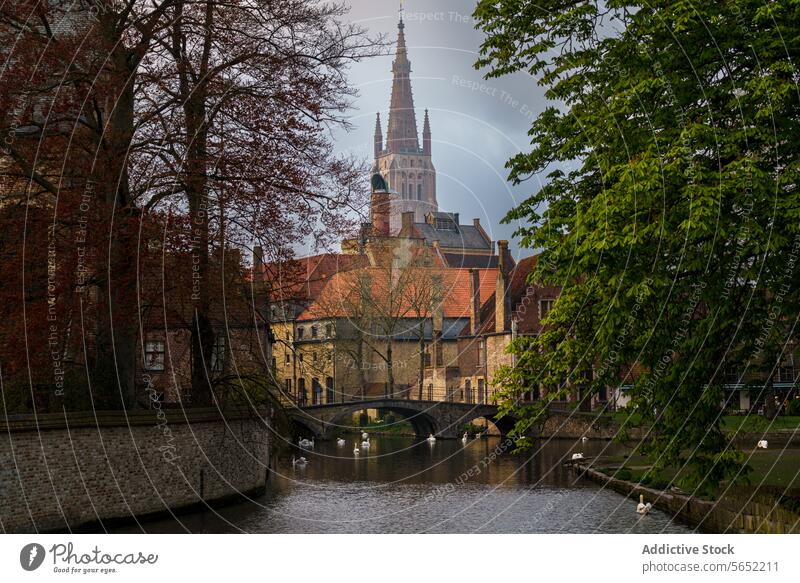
[421,374]
[389,368]
[115,342]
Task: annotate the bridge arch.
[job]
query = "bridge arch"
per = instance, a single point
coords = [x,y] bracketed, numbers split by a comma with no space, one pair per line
[424,424]
[440,418]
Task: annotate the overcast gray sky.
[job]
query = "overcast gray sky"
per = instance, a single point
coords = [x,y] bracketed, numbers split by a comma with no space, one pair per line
[477,125]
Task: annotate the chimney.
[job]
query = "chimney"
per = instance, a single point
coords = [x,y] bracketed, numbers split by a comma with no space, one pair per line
[380,206]
[258,264]
[474,301]
[500,300]
[437,310]
[408,223]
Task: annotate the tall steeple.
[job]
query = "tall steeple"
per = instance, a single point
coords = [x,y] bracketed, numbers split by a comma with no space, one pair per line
[407,168]
[402,135]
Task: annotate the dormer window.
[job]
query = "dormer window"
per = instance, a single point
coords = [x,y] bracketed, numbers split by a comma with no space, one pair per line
[313,331]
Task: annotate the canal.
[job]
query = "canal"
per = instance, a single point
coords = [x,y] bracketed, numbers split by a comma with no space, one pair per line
[407,485]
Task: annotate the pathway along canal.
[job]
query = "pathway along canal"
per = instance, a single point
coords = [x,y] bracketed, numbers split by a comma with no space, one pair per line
[406,485]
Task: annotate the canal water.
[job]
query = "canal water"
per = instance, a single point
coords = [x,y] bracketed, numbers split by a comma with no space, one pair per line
[407,485]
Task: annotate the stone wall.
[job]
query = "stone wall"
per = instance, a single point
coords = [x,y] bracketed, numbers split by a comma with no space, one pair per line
[735,513]
[59,474]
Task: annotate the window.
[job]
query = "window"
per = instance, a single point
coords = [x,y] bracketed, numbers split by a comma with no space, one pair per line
[329,330]
[288,360]
[218,353]
[330,395]
[481,352]
[786,371]
[731,375]
[288,385]
[468,391]
[314,357]
[313,331]
[300,332]
[300,357]
[544,307]
[288,338]
[419,192]
[154,355]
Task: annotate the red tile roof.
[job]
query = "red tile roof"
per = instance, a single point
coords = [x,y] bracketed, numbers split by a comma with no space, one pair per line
[340,295]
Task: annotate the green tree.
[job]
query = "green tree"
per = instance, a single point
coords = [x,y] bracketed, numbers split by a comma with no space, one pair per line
[670,208]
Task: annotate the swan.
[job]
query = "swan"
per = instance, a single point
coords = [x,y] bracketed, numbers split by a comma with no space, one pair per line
[356,451]
[584,439]
[364,435]
[299,463]
[641,507]
[365,444]
[340,442]
[762,444]
[306,443]
[431,438]
[464,439]
[577,456]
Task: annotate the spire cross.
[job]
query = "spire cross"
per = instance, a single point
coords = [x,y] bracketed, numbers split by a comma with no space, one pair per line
[402,11]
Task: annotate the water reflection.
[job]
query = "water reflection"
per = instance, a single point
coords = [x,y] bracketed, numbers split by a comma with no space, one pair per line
[402,485]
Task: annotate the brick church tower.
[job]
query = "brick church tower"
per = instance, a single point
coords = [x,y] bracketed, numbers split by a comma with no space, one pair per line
[407,168]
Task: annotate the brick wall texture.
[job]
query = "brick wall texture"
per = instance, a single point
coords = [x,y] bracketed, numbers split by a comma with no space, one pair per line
[61,477]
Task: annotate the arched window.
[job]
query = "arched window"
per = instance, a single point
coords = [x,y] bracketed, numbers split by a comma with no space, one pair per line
[419,191]
[404,190]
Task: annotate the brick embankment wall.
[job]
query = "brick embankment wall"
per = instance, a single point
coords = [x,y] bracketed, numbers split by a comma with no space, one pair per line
[734,513]
[61,474]
[576,425]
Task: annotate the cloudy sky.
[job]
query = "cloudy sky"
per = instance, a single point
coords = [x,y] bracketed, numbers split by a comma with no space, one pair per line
[476,124]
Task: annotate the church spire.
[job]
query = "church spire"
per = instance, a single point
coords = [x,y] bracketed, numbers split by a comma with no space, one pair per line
[401,134]
[426,136]
[378,136]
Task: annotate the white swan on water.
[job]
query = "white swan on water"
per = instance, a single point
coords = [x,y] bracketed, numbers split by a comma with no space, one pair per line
[356,451]
[464,439]
[431,438]
[641,507]
[577,456]
[365,444]
[584,439]
[364,435]
[340,442]
[762,444]
[306,443]
[299,463]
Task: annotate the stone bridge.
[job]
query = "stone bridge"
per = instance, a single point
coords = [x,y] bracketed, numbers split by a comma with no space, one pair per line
[443,419]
